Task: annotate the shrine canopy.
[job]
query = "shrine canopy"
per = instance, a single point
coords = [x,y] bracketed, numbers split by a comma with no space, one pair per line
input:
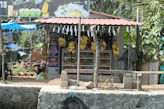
[15,26]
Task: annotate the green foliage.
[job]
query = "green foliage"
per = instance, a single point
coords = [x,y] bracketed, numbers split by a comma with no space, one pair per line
[133,38]
[151,30]
[24,38]
[152,14]
[104,6]
[41,76]
[106,81]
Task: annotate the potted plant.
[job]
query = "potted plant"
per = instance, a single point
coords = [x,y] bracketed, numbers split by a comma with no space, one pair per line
[31,73]
[25,73]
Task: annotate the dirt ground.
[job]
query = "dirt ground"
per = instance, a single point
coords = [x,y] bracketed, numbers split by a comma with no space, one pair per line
[27,80]
[22,80]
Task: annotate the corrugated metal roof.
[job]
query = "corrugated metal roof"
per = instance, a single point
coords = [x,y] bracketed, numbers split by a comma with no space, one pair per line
[108,20]
[85,21]
[104,15]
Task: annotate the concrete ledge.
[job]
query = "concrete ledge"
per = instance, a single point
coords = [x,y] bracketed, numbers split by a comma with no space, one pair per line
[19,97]
[53,98]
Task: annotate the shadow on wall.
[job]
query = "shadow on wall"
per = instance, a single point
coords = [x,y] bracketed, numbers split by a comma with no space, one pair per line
[72,102]
[19,97]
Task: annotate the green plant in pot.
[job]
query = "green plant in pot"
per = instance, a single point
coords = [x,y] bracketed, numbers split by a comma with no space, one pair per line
[41,76]
[32,74]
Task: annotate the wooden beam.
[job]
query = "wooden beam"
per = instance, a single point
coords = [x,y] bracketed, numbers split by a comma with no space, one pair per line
[148,72]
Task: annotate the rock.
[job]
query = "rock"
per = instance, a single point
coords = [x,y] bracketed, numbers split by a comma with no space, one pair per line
[89,85]
[64,79]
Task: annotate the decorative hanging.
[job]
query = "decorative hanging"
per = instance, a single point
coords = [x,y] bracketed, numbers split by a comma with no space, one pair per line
[43,28]
[127,29]
[54,28]
[98,28]
[88,33]
[67,30]
[118,29]
[75,29]
[58,29]
[91,34]
[63,29]
[109,30]
[83,28]
[71,30]
[113,30]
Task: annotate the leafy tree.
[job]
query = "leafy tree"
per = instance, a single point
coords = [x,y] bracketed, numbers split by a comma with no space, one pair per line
[24,38]
[152,16]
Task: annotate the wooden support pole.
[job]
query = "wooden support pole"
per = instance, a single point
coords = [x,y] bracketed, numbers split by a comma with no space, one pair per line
[78,53]
[97,60]
[138,37]
[129,52]
[2,53]
[46,44]
[137,47]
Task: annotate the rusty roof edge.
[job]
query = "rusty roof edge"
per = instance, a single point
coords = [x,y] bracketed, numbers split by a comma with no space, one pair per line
[112,16]
[104,14]
[40,21]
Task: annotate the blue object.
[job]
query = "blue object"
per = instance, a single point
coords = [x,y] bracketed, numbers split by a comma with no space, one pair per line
[162,75]
[162,38]
[29,26]
[11,26]
[13,46]
[15,26]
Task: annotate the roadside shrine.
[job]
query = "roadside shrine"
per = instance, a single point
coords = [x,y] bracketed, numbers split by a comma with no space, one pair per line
[63,38]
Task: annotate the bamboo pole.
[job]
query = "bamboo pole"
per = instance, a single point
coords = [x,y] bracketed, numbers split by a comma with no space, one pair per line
[78,53]
[2,53]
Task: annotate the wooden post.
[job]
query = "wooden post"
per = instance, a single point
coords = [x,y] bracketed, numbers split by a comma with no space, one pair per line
[138,38]
[46,44]
[139,87]
[129,52]
[78,53]
[31,45]
[97,60]
[2,53]
[137,47]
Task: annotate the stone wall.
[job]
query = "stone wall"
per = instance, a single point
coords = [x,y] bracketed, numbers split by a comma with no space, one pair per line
[83,77]
[53,99]
[18,97]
